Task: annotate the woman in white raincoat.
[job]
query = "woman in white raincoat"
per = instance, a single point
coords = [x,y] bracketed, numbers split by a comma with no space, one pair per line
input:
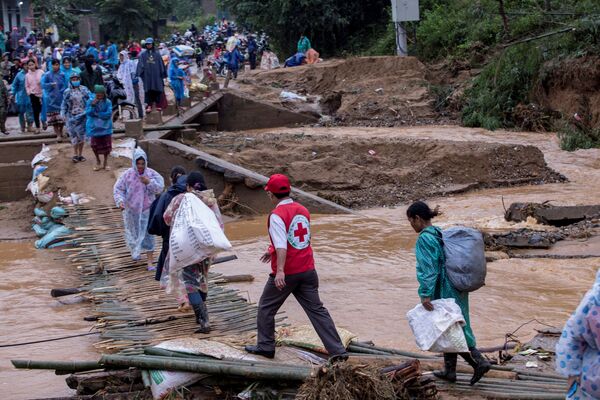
[134,193]
[127,75]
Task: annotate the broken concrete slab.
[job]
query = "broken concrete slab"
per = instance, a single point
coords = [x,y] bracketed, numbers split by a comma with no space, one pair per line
[549,214]
[566,249]
[238,111]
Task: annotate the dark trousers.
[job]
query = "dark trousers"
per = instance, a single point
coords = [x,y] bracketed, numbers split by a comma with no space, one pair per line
[36,105]
[162,257]
[305,288]
[138,101]
[153,97]
[252,59]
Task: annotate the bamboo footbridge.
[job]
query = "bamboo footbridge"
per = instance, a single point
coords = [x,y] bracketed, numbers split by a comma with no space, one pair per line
[131,309]
[133,314]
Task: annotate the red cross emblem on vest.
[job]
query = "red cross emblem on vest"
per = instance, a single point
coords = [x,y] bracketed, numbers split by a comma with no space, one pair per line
[299,232]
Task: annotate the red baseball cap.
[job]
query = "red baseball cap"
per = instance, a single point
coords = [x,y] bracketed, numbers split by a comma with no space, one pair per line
[278,183]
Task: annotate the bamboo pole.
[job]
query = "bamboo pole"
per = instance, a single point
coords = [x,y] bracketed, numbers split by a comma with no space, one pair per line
[213,367]
[74,366]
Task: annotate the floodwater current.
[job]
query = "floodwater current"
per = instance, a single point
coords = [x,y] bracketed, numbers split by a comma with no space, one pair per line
[365,262]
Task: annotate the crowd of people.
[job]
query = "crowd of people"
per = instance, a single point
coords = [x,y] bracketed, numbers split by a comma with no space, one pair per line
[79,86]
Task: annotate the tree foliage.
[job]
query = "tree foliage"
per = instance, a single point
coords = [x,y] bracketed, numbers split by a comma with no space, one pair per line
[330,24]
[124,18]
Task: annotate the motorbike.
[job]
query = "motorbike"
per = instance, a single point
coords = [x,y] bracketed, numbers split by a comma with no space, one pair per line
[115,92]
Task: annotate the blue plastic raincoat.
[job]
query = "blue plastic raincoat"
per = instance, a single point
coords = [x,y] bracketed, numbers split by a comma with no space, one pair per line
[94,52]
[21,98]
[68,72]
[53,85]
[73,112]
[295,61]
[99,118]
[233,59]
[136,198]
[431,274]
[112,56]
[578,349]
[175,73]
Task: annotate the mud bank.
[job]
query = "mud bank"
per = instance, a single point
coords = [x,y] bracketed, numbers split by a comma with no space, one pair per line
[363,172]
[369,91]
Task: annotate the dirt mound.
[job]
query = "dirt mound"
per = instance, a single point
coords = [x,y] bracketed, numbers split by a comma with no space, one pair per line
[377,171]
[370,91]
[573,86]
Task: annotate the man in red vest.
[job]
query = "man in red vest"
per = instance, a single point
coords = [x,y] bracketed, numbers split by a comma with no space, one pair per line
[293,272]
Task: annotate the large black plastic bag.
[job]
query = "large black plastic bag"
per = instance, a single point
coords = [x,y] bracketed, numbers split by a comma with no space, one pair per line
[465,258]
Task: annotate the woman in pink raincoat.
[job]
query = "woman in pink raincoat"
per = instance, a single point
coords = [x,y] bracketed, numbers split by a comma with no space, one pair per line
[134,192]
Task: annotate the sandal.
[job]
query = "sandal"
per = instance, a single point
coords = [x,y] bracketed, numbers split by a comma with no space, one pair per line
[82,158]
[75,159]
[107,168]
[97,168]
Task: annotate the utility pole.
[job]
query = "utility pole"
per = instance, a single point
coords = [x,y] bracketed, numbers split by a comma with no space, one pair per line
[403,10]
[401,43]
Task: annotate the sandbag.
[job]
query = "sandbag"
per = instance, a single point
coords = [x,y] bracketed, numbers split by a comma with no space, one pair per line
[195,234]
[164,382]
[38,212]
[55,235]
[306,337]
[439,330]
[465,258]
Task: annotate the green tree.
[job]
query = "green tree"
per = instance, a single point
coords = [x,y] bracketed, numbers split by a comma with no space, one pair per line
[330,24]
[124,18]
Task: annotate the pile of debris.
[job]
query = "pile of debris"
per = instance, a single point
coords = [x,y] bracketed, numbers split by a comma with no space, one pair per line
[564,223]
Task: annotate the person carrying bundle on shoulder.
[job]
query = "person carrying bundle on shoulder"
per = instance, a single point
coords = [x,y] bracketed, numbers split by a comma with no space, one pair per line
[195,277]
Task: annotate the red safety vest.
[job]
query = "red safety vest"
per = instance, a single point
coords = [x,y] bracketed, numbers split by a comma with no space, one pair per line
[299,256]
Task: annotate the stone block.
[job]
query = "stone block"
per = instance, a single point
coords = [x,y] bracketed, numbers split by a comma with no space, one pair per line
[170,110]
[214,86]
[186,102]
[154,118]
[134,128]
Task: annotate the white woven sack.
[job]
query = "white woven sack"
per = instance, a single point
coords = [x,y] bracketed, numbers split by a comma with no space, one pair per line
[195,234]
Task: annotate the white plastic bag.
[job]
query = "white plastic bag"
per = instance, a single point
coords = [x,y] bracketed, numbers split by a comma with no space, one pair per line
[163,382]
[291,96]
[195,235]
[183,51]
[43,156]
[439,330]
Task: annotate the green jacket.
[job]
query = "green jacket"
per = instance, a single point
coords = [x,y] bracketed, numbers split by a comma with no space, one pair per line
[431,274]
[303,45]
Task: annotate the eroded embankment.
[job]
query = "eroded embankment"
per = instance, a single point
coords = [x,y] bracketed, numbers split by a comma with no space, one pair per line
[378,171]
[367,91]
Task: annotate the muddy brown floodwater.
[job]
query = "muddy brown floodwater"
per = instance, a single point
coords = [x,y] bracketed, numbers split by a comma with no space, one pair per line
[28,313]
[366,265]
